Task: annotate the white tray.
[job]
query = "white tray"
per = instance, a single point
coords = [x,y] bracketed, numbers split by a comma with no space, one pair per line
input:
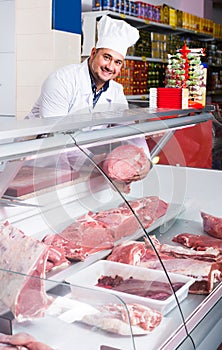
[89,276]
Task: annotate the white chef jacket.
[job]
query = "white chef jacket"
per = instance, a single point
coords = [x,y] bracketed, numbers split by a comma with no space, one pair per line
[69,90]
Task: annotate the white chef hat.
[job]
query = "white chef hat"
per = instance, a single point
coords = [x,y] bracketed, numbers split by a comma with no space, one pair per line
[116,35]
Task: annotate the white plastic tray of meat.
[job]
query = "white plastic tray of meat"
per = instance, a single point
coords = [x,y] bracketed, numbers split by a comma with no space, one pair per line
[138,285]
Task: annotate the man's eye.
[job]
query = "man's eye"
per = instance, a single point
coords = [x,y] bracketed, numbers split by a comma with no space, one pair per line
[107,58]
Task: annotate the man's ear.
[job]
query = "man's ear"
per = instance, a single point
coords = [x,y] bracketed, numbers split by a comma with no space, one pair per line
[93,51]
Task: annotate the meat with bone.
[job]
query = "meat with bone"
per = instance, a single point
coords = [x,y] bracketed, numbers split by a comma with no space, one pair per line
[56,258]
[210,254]
[205,273]
[116,318]
[198,242]
[80,239]
[94,232]
[122,221]
[22,289]
[212,225]
[128,253]
[21,341]
[148,209]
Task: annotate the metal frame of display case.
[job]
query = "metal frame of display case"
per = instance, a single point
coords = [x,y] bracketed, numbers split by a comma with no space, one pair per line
[28,139]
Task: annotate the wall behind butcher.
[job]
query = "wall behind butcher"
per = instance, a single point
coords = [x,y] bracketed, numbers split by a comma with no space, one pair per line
[39,51]
[7,58]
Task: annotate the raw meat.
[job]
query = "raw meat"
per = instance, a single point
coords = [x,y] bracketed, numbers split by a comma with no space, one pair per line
[120,221]
[23,259]
[128,253]
[31,179]
[22,340]
[212,225]
[116,318]
[80,239]
[148,209]
[94,232]
[147,289]
[210,254]
[125,162]
[206,274]
[56,258]
[198,242]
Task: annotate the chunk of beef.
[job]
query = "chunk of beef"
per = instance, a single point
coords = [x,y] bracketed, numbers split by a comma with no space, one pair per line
[198,242]
[125,162]
[22,262]
[212,225]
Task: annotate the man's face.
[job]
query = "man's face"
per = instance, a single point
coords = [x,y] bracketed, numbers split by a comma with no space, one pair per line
[105,64]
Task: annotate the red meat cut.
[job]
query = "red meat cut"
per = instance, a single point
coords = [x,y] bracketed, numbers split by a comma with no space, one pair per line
[157,290]
[205,273]
[128,253]
[80,239]
[125,162]
[205,266]
[148,209]
[120,221]
[198,242]
[212,225]
[94,232]
[22,290]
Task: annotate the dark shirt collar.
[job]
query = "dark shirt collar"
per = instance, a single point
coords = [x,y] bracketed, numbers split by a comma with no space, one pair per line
[94,87]
[97,94]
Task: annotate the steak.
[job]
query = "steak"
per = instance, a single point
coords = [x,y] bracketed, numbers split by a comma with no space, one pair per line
[210,254]
[148,209]
[212,225]
[147,289]
[120,221]
[205,273]
[80,239]
[128,253]
[22,262]
[198,242]
[204,266]
[94,232]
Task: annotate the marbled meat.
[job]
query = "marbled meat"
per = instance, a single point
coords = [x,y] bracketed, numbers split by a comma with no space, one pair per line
[125,162]
[212,225]
[198,242]
[22,289]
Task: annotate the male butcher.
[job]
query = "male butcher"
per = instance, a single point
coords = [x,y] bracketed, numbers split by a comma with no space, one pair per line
[90,86]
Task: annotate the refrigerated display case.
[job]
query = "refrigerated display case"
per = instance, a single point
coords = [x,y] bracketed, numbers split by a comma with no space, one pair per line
[59,207]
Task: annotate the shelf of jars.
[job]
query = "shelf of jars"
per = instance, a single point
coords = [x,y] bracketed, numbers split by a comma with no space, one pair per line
[146,61]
